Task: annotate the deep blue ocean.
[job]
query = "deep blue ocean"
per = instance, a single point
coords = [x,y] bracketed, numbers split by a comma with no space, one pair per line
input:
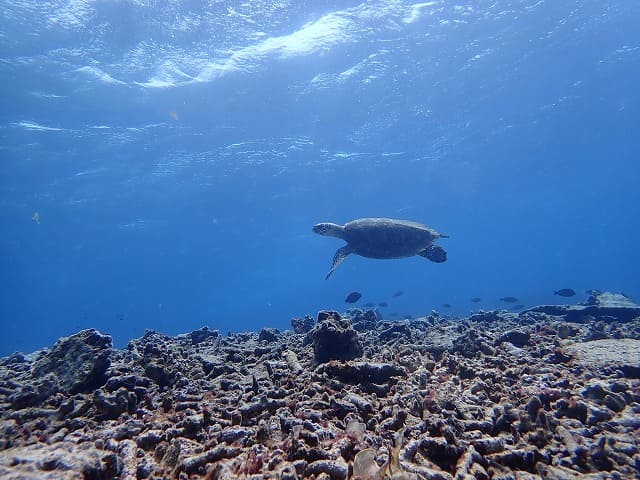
[162,162]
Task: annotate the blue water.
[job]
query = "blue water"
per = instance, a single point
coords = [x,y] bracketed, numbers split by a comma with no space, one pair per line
[178,153]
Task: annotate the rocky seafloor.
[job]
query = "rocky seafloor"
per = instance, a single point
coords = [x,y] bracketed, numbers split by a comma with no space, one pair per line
[549,393]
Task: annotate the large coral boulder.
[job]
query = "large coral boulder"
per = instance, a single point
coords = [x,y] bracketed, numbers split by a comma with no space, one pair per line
[623,353]
[334,338]
[80,362]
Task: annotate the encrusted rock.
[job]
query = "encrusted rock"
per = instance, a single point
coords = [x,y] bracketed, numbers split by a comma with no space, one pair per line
[268,335]
[80,361]
[334,338]
[621,353]
[359,373]
[363,320]
[255,405]
[59,461]
[599,304]
[518,338]
[149,439]
[202,334]
[303,325]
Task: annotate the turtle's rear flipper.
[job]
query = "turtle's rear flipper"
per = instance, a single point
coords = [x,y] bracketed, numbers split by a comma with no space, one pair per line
[338,258]
[434,253]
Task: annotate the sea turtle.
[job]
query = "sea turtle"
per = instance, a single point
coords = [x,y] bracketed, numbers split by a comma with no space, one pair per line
[383,238]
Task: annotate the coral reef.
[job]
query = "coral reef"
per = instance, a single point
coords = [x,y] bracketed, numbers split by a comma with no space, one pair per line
[493,396]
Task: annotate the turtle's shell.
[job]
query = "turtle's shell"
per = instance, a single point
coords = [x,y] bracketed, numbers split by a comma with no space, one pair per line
[388,238]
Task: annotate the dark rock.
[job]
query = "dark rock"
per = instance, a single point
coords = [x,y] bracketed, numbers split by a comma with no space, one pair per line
[489,445]
[234,434]
[394,331]
[64,460]
[303,325]
[470,345]
[334,338]
[599,304]
[80,361]
[485,317]
[25,397]
[202,334]
[621,353]
[111,406]
[515,337]
[364,320]
[517,459]
[532,407]
[572,409]
[159,374]
[191,424]
[193,463]
[16,357]
[268,335]
[630,371]
[149,439]
[596,331]
[565,331]
[466,372]
[615,402]
[609,299]
[596,415]
[442,453]
[334,469]
[595,392]
[127,381]
[359,373]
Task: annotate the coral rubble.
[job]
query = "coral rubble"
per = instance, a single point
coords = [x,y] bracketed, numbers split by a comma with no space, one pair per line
[497,395]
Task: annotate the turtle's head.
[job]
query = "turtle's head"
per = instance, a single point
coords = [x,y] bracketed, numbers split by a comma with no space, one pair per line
[329,230]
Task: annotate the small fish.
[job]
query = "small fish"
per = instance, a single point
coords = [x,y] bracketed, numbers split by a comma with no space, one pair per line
[36,217]
[476,299]
[399,293]
[446,305]
[383,304]
[509,299]
[565,292]
[353,297]
[369,304]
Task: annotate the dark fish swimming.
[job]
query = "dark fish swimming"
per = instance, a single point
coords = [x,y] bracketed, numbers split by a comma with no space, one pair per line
[399,293]
[369,304]
[446,305]
[509,299]
[353,297]
[565,292]
[476,299]
[383,304]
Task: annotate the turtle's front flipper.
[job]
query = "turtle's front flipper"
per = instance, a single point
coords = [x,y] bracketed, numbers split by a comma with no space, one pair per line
[434,253]
[339,257]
